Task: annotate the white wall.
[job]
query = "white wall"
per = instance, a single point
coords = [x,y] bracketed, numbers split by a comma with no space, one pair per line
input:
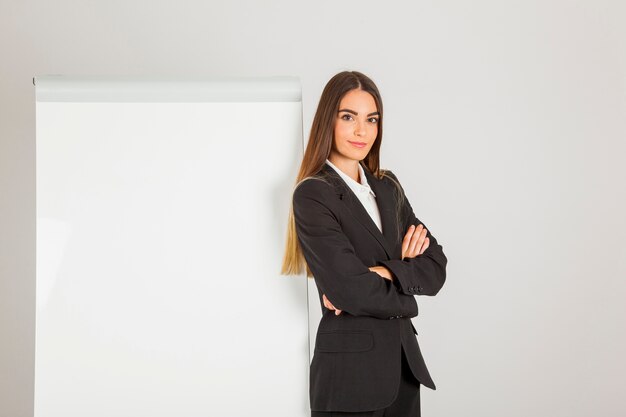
[505,121]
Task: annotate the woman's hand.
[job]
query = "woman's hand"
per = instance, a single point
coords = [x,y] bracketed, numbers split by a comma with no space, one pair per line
[382,271]
[415,241]
[330,306]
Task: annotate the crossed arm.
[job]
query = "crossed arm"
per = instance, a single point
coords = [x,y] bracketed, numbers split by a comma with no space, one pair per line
[342,277]
[414,243]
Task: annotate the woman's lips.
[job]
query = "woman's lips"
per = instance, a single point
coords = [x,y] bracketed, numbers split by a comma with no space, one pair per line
[358,144]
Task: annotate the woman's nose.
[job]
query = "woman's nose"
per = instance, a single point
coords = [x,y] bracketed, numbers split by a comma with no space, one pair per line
[359,129]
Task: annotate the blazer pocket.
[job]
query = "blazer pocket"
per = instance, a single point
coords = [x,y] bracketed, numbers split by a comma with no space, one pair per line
[344,341]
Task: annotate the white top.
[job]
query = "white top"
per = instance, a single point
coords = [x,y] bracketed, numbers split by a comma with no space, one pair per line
[363,192]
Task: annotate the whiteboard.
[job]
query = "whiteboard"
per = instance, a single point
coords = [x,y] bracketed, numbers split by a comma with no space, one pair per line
[161,208]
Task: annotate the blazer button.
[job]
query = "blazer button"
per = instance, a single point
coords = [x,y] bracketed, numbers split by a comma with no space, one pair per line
[419,289]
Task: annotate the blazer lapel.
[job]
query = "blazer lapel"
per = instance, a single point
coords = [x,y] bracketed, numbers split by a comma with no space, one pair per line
[386,207]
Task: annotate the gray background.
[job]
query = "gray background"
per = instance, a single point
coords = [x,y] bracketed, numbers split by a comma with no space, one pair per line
[505,122]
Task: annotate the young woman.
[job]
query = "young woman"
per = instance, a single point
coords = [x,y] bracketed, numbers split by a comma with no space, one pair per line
[354,230]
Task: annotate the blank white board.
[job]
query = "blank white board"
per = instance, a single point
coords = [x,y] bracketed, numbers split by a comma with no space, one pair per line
[161,217]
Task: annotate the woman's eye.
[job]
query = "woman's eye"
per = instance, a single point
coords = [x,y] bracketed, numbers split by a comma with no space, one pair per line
[349,117]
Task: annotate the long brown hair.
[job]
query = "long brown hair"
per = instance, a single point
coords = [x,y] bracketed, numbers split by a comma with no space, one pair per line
[318,150]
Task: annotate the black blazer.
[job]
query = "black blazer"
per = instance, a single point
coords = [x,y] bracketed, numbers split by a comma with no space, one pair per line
[356,361]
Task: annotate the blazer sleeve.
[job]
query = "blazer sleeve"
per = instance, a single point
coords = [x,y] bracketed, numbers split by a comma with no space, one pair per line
[338,271]
[423,274]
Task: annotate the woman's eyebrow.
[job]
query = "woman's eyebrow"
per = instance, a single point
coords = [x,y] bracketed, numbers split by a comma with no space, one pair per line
[356,114]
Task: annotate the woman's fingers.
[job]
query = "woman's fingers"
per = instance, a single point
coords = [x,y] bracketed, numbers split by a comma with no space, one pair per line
[382,272]
[415,241]
[419,241]
[330,306]
[406,241]
[327,303]
[425,246]
[413,248]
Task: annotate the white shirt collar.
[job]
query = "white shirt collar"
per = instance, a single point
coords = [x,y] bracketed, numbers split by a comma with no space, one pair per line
[355,186]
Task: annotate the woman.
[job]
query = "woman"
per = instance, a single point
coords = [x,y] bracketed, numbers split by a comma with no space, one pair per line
[355,231]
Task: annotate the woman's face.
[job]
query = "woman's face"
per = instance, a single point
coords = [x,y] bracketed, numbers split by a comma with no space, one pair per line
[356,125]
